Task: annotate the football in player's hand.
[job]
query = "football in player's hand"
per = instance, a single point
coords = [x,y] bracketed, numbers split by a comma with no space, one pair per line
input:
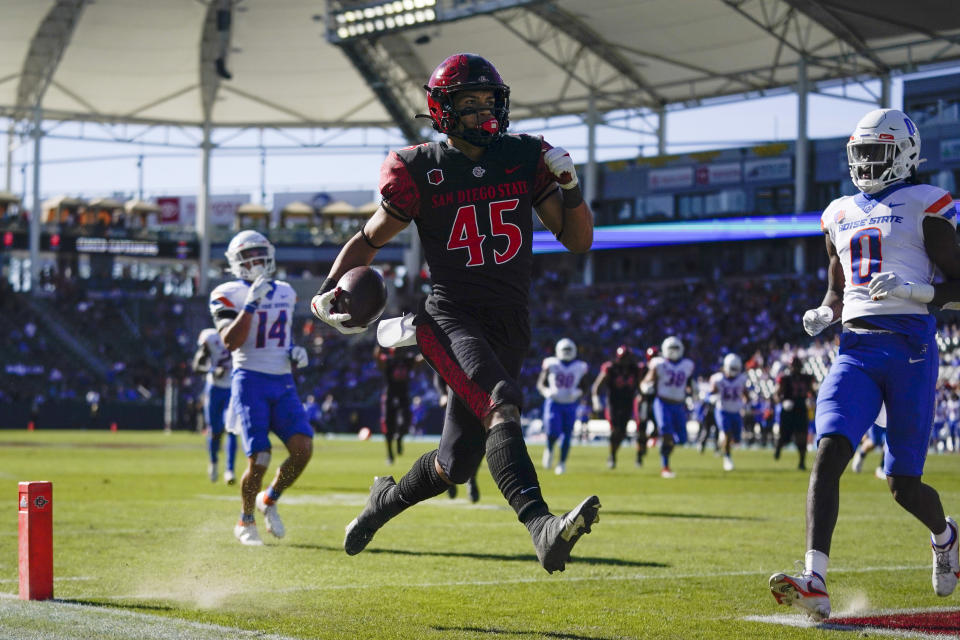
[363,295]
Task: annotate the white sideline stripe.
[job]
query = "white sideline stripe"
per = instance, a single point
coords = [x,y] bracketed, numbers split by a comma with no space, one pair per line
[802,621]
[77,620]
[483,583]
[55,580]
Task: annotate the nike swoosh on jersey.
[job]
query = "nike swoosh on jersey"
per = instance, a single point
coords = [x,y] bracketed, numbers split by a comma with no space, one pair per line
[912,361]
[896,204]
[511,170]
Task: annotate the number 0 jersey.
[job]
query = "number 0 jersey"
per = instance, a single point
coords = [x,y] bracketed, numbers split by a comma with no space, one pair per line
[267,345]
[884,232]
[473,216]
[219,357]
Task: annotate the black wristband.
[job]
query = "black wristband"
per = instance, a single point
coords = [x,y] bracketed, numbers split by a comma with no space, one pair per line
[572,198]
[328,285]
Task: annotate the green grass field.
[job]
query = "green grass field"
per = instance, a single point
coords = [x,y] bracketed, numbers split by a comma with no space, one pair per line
[143,548]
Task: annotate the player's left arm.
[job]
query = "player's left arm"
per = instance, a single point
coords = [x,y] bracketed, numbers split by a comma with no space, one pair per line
[564,212]
[940,241]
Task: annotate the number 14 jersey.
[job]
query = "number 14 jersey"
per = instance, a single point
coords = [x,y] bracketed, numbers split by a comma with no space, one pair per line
[884,232]
[267,345]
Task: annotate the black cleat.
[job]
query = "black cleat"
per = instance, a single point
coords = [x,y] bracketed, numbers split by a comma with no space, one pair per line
[472,490]
[361,529]
[559,534]
[452,491]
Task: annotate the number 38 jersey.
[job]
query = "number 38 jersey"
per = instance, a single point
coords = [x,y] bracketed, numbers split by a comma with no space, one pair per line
[267,345]
[672,377]
[884,232]
[474,217]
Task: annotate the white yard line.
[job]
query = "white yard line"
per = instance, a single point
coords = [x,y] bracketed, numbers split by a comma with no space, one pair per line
[497,581]
[801,620]
[69,620]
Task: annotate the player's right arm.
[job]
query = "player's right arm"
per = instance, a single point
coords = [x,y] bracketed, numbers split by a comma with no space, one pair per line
[831,308]
[542,385]
[597,385]
[201,359]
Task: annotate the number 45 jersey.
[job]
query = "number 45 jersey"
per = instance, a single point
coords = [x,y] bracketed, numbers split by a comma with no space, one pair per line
[474,217]
[884,232]
[266,347]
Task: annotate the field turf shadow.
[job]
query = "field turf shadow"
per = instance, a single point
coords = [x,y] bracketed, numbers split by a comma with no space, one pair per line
[500,557]
[664,514]
[514,632]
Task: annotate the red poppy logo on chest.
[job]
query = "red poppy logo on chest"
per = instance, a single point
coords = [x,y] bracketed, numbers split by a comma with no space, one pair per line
[435,176]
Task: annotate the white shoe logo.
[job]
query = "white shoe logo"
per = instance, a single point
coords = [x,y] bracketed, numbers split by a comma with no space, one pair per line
[912,361]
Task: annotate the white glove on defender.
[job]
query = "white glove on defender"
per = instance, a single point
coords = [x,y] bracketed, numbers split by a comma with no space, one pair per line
[816,320]
[887,283]
[299,356]
[322,307]
[559,163]
[260,287]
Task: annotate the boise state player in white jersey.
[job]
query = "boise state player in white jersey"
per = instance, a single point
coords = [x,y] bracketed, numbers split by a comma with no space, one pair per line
[254,316]
[884,245]
[671,375]
[560,384]
[729,386]
[214,359]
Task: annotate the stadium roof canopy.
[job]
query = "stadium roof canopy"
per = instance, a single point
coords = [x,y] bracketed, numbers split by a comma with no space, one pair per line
[155,61]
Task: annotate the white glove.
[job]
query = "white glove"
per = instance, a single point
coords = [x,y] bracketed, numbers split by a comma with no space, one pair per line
[597,405]
[787,405]
[260,287]
[816,320]
[647,387]
[548,393]
[322,307]
[887,283]
[560,164]
[298,355]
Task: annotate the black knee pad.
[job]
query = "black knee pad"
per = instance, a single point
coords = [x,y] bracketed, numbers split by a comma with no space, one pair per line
[463,466]
[507,392]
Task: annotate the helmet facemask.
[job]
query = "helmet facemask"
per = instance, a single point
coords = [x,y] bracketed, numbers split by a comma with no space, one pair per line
[875,164]
[250,255]
[447,119]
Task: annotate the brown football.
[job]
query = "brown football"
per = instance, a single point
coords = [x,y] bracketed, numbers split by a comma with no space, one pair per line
[363,294]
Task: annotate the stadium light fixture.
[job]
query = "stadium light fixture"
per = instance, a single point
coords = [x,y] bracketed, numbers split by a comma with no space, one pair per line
[379,17]
[371,19]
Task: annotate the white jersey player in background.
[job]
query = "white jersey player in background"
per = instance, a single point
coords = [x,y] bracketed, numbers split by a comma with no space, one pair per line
[670,375]
[884,246]
[254,316]
[214,359]
[729,390]
[560,383]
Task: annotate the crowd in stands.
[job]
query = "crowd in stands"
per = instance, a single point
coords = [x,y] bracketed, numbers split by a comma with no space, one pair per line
[128,347]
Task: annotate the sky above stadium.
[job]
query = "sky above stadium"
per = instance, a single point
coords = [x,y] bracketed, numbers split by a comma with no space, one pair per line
[89,169]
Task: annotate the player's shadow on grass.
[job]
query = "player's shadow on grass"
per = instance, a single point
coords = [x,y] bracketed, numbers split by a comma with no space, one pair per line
[500,557]
[118,605]
[665,514]
[515,632]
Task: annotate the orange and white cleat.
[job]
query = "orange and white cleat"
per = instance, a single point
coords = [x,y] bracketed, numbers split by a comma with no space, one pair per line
[807,592]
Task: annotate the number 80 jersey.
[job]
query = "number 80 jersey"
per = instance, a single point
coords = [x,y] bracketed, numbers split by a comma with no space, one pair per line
[884,232]
[267,345]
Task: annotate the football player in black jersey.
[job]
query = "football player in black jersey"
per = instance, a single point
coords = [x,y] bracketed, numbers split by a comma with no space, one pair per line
[471,198]
[397,368]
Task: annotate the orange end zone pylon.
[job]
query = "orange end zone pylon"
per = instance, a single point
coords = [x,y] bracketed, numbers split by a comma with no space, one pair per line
[36,540]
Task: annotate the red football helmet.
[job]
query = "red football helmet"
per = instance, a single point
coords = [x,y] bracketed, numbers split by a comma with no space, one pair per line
[624,354]
[652,352]
[460,72]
